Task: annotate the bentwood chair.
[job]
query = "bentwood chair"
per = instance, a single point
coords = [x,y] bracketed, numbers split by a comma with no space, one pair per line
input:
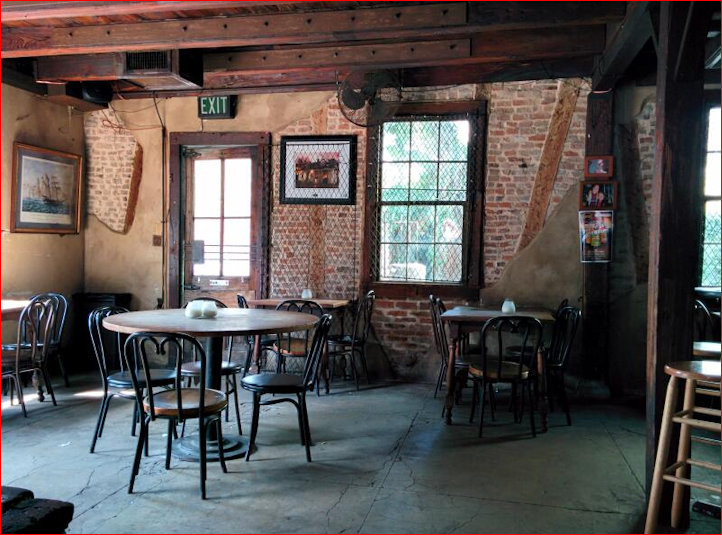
[142,351]
[289,384]
[229,369]
[294,346]
[557,355]
[35,326]
[521,373]
[267,341]
[705,325]
[354,345]
[116,379]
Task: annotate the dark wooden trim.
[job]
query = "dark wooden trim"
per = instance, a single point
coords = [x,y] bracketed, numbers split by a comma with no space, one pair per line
[177,140]
[449,107]
[595,300]
[676,206]
[388,290]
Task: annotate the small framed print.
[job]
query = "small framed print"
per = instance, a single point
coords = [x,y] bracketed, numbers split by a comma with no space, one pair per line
[599,166]
[596,236]
[318,170]
[45,190]
[598,195]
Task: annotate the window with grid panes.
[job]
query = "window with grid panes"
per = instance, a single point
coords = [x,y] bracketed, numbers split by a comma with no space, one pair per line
[423,200]
[710,261]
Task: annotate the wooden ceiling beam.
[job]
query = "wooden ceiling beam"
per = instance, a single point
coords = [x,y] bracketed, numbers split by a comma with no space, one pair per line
[402,22]
[515,45]
[634,32]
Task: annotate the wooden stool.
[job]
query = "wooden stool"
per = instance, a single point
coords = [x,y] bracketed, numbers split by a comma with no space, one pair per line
[703,377]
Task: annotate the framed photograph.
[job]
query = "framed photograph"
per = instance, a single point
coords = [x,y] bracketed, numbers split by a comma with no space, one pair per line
[598,195]
[318,170]
[596,233]
[599,166]
[45,190]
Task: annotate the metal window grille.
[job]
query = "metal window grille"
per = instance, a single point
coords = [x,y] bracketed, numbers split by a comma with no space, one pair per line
[710,264]
[421,178]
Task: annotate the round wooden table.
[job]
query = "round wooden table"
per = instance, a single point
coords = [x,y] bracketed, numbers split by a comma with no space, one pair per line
[228,322]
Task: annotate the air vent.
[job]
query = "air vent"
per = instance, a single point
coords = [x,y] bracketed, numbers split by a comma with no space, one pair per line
[147,61]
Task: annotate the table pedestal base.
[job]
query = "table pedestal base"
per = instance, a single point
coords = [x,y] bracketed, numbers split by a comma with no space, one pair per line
[188,448]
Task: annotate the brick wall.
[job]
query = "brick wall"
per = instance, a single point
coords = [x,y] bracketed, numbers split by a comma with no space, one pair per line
[519,116]
[113,159]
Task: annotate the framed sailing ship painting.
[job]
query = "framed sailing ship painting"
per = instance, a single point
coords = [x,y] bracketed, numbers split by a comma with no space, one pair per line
[46,190]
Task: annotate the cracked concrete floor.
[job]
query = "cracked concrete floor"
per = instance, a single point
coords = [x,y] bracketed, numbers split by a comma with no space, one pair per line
[383,461]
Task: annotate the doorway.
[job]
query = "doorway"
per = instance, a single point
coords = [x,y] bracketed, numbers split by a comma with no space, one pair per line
[218,214]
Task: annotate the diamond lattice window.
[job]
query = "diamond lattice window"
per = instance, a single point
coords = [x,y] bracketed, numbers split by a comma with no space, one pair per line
[710,265]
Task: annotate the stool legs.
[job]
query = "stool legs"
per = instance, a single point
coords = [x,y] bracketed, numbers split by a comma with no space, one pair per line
[681,492]
[660,462]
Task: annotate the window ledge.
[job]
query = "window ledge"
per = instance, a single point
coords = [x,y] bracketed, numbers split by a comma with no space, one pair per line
[399,290]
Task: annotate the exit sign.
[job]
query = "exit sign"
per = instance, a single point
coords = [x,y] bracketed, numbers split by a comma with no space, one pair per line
[217,107]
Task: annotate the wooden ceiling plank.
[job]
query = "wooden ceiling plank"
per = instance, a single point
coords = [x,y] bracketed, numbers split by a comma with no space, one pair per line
[79,68]
[540,14]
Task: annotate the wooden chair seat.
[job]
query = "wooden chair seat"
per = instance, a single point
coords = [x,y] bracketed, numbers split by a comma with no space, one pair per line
[193,369]
[158,377]
[274,383]
[166,403]
[509,371]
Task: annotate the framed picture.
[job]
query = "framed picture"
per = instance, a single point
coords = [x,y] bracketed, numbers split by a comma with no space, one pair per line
[596,233]
[318,170]
[45,190]
[598,195]
[599,166]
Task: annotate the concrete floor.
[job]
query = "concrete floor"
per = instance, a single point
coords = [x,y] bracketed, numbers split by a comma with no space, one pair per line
[383,461]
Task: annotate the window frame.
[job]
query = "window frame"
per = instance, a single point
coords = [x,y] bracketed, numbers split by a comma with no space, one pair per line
[712,100]
[472,239]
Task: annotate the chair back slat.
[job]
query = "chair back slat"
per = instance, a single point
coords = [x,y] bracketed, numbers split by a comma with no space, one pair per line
[143,349]
[362,320]
[242,302]
[563,333]
[35,326]
[318,345]
[437,309]
[304,306]
[99,335]
[523,333]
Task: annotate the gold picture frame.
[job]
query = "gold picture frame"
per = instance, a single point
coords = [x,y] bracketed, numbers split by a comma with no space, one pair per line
[46,190]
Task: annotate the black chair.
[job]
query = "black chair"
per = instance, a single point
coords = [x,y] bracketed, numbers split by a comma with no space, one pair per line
[557,355]
[144,350]
[229,369]
[289,384]
[30,355]
[267,341]
[354,345]
[497,335]
[57,334]
[115,378]
[706,327]
[295,345]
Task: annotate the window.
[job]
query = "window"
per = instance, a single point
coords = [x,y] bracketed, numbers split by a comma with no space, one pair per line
[424,200]
[222,216]
[710,264]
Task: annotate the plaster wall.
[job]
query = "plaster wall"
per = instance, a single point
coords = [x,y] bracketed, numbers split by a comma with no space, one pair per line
[35,263]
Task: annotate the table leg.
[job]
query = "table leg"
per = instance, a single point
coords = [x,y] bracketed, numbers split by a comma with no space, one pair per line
[324,368]
[450,378]
[188,448]
[37,385]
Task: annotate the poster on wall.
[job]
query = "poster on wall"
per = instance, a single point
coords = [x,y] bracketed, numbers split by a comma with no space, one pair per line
[318,170]
[596,230]
[45,190]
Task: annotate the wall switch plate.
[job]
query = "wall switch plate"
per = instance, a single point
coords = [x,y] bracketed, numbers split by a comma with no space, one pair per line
[218,282]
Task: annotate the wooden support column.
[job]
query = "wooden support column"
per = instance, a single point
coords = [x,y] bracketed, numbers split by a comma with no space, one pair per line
[676,200]
[567,94]
[595,305]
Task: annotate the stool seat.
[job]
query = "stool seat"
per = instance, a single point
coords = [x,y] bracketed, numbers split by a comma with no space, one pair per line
[699,370]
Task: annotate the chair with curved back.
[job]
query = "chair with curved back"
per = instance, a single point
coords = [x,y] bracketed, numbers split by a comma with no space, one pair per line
[497,335]
[289,384]
[56,338]
[116,379]
[705,325]
[229,369]
[30,355]
[141,353]
[267,340]
[354,345]
[437,307]
[557,355]
[295,345]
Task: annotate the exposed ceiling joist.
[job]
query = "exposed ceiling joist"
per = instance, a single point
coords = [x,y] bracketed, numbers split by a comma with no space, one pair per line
[409,22]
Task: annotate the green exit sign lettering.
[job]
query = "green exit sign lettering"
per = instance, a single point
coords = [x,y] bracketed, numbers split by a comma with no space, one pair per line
[223,107]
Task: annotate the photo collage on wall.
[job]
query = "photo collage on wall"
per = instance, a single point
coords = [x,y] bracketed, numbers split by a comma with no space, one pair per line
[597,203]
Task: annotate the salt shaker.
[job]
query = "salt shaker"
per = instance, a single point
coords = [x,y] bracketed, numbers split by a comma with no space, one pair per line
[508,306]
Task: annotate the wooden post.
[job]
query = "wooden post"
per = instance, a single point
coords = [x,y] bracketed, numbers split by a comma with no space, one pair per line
[595,315]
[676,203]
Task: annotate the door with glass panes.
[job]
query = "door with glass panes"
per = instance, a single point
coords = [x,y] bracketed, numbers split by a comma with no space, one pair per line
[221,223]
